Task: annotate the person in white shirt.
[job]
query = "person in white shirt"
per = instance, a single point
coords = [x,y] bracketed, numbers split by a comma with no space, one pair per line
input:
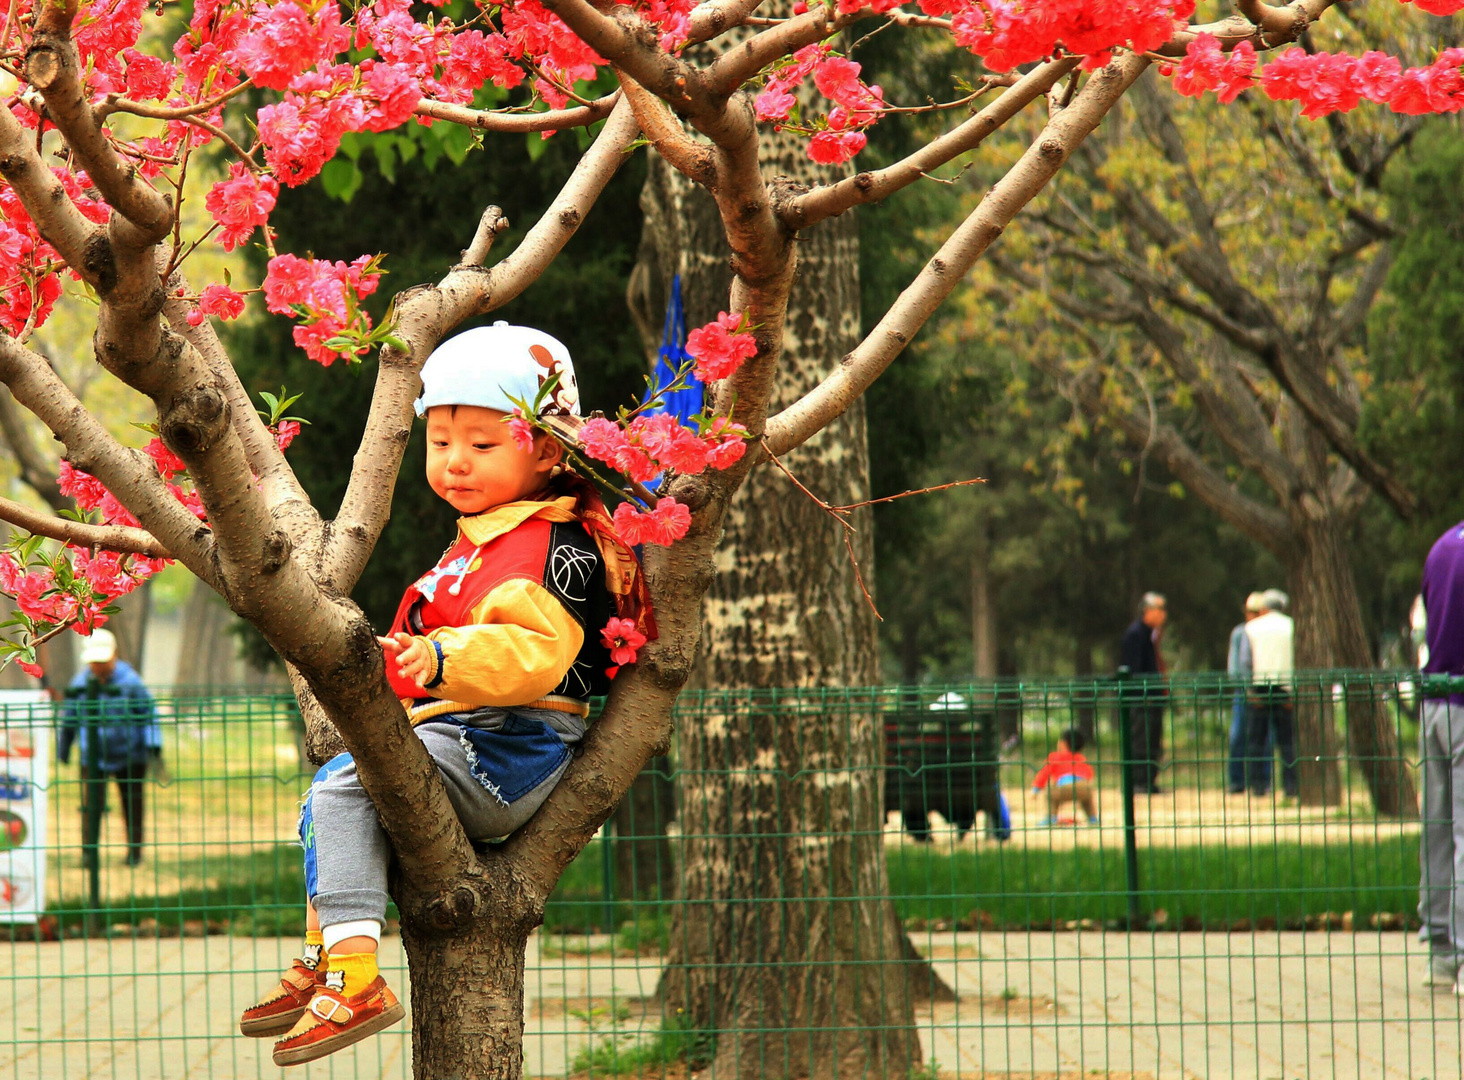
[1272,710]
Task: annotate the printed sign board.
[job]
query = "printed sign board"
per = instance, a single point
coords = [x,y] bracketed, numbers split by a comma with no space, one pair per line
[25,759]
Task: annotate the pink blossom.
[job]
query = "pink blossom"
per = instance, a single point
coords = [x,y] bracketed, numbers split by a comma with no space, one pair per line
[148,78]
[286,432]
[86,489]
[719,348]
[395,92]
[288,281]
[622,639]
[836,147]
[601,439]
[522,432]
[774,103]
[222,301]
[33,670]
[281,41]
[169,464]
[664,525]
[312,339]
[241,203]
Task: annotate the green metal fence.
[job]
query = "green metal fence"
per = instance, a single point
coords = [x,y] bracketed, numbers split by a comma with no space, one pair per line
[1192,932]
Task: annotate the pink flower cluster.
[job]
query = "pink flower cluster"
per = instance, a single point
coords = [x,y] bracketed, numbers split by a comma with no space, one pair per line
[623,640]
[1008,33]
[1206,67]
[1325,82]
[650,445]
[325,294]
[664,525]
[720,347]
[29,285]
[219,300]
[535,33]
[241,203]
[840,135]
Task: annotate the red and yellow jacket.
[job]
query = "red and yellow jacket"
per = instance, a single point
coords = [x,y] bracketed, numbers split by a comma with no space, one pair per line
[513,612]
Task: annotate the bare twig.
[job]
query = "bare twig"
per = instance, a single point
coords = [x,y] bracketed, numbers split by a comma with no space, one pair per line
[912,492]
[493,222]
[118,103]
[83,534]
[487,120]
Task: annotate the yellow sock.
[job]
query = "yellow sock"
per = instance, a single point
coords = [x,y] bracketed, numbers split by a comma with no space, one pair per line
[314,954]
[350,973]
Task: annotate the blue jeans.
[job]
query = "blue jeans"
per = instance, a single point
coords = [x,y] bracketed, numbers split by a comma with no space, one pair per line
[1240,718]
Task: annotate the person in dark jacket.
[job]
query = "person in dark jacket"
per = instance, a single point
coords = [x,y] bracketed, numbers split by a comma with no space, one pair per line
[1139,652]
[110,713]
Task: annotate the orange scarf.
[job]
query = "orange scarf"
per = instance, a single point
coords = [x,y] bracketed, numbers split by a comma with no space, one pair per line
[623,574]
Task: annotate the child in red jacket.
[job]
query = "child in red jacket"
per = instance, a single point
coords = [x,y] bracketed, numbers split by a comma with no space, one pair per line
[1068,778]
[495,653]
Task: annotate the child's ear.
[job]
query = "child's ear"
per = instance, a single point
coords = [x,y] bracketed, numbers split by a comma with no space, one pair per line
[551,453]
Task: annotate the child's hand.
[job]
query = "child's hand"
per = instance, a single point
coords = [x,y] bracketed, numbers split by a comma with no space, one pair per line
[413,656]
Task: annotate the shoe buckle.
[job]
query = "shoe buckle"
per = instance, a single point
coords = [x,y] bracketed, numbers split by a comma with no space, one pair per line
[330,1010]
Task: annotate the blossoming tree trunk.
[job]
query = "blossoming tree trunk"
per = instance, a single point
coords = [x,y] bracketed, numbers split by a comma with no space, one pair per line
[785,941]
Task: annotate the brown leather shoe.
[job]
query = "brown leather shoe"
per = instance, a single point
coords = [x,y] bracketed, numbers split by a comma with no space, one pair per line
[277,1011]
[332,1021]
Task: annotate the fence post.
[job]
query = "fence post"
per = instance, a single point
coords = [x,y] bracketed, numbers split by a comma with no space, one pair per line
[93,799]
[607,875]
[1130,828]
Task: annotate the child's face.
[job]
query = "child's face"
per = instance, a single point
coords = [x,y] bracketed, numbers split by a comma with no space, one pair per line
[473,462]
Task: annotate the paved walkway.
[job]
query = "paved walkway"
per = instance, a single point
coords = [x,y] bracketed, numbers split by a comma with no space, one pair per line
[1289,1006]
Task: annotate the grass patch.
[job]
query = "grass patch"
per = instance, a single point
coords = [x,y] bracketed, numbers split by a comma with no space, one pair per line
[618,1055]
[1281,885]
[1198,887]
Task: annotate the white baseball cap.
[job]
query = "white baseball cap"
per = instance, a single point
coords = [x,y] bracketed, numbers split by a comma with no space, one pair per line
[491,366]
[100,647]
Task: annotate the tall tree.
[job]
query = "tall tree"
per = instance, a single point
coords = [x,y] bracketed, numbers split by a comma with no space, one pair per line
[1170,262]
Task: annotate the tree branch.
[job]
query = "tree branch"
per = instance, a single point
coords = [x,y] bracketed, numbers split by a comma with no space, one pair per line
[810,207]
[41,193]
[424,317]
[683,153]
[111,537]
[129,475]
[514,123]
[1267,526]
[743,61]
[54,68]
[1059,138]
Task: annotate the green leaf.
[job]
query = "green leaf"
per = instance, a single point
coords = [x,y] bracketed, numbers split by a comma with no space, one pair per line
[352,143]
[341,179]
[396,343]
[456,142]
[386,158]
[535,144]
[406,148]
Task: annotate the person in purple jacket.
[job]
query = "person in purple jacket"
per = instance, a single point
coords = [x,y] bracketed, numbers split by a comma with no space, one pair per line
[1441,848]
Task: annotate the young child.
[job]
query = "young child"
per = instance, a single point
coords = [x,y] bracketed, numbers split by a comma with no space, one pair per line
[495,653]
[1068,778]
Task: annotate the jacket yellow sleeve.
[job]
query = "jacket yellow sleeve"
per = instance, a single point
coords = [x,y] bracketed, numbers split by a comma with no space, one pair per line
[518,648]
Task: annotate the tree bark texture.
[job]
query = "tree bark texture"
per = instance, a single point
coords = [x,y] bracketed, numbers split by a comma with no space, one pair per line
[785,941]
[1329,635]
[467,1007]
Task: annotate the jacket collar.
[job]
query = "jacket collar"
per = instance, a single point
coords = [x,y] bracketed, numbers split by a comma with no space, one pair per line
[488,526]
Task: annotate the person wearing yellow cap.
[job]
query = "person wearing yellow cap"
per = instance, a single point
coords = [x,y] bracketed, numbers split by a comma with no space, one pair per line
[495,653]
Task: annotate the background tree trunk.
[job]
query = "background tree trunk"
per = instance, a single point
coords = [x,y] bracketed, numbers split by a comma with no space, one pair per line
[1329,634]
[206,658]
[785,941]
